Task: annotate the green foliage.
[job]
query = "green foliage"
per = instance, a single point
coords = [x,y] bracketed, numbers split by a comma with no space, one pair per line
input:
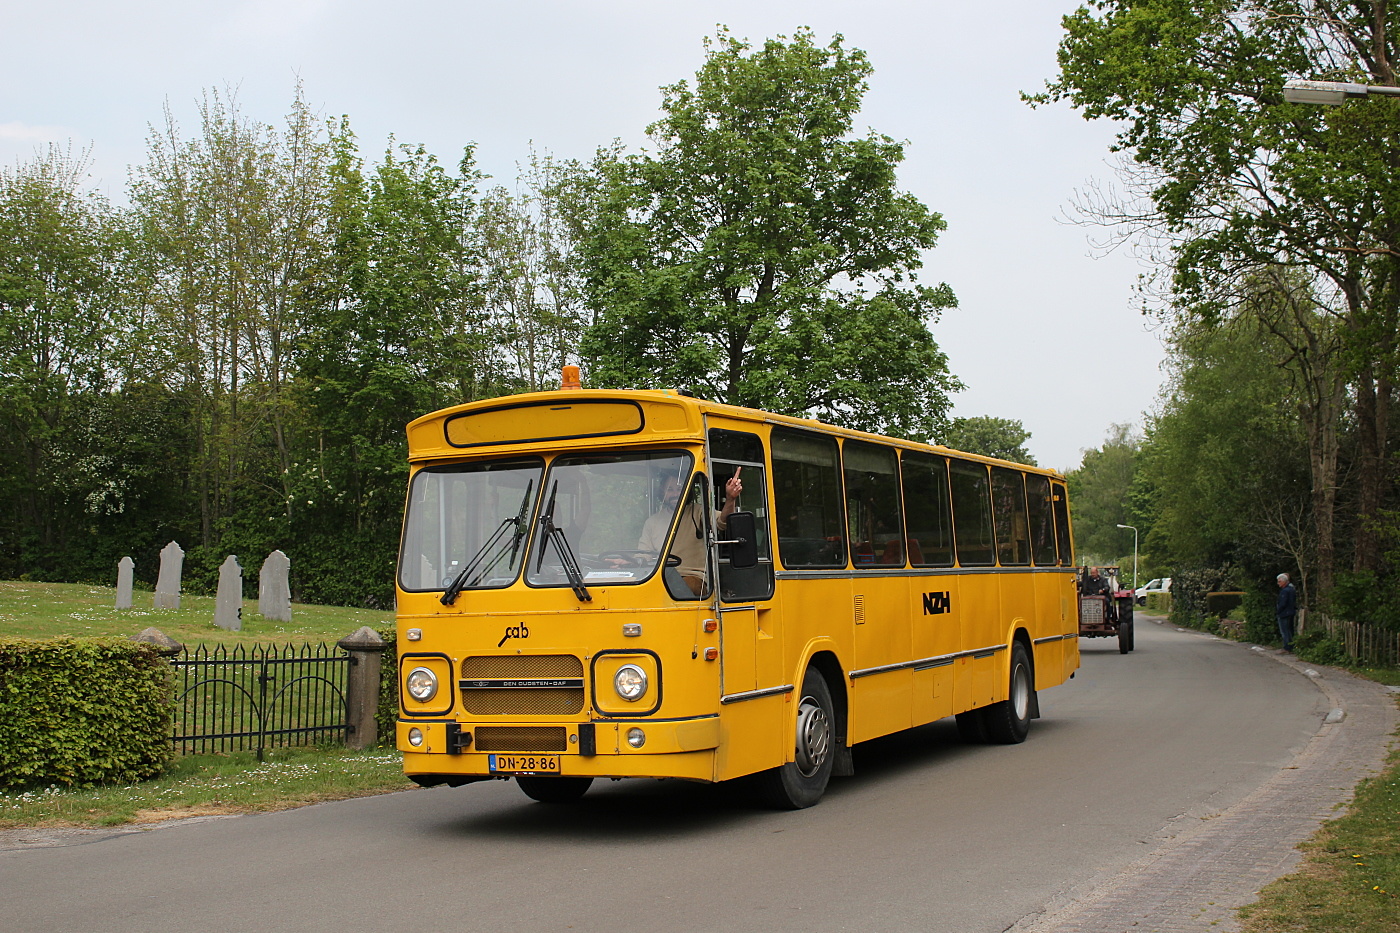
[1362,597]
[80,712]
[1159,602]
[763,257]
[1099,497]
[1225,464]
[1242,186]
[387,716]
[1317,647]
[1260,623]
[1189,588]
[992,437]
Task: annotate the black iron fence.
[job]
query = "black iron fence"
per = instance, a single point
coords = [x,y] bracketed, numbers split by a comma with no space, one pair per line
[257,696]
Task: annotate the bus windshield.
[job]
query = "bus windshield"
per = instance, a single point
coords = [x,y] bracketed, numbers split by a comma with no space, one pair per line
[611,513]
[467,524]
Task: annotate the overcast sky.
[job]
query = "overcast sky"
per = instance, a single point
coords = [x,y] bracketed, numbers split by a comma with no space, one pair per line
[1046,331]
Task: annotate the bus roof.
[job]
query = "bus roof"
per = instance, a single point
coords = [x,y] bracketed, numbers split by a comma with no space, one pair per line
[568,418]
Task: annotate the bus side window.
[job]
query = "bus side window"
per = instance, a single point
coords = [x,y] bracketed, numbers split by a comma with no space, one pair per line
[1009,515]
[926,510]
[972,514]
[1062,534]
[1042,520]
[807,500]
[872,505]
[739,452]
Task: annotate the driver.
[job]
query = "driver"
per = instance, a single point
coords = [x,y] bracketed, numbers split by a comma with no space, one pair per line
[689,545]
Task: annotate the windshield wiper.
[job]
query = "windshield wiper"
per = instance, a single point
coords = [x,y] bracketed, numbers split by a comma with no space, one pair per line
[459,583]
[551,532]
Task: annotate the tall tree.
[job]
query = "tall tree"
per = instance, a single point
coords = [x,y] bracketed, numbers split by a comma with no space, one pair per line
[59,303]
[992,437]
[1100,495]
[1238,181]
[1225,462]
[764,256]
[231,224]
[534,296]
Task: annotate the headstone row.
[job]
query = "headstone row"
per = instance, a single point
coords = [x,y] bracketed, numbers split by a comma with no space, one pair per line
[274,587]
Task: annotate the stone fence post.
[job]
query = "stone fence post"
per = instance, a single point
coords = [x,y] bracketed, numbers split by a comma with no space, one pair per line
[366,648]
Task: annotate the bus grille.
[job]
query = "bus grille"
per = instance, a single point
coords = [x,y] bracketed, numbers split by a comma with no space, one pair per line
[520,739]
[514,701]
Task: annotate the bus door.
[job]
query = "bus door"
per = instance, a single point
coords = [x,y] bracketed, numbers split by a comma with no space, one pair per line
[749,647]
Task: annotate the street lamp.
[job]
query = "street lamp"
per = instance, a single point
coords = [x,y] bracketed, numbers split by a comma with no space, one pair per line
[1134,558]
[1331,93]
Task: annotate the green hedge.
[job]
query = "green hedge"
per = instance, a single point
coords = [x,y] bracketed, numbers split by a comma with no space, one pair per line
[82,712]
[387,717]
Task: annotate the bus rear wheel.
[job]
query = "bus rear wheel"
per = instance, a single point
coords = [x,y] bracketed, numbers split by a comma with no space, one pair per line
[554,789]
[801,782]
[1008,722]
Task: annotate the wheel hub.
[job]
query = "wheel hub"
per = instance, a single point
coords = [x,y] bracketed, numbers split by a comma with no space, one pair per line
[813,737]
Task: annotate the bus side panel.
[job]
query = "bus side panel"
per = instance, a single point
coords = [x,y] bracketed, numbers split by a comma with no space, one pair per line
[881,703]
[1019,608]
[751,737]
[982,631]
[1052,607]
[935,634]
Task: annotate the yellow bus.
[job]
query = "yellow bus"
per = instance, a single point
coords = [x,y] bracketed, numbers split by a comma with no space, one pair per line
[609,584]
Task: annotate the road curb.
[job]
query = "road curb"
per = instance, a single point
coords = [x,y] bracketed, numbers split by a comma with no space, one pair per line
[1210,867]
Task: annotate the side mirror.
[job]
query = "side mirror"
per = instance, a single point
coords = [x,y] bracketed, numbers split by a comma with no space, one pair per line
[741,530]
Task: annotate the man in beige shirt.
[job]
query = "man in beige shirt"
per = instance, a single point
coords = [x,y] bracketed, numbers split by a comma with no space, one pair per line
[689,545]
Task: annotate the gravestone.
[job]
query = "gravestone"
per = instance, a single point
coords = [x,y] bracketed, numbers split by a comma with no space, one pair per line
[172,564]
[228,602]
[124,571]
[274,588]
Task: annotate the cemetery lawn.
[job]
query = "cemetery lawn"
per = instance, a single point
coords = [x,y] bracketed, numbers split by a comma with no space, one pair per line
[64,610]
[214,785]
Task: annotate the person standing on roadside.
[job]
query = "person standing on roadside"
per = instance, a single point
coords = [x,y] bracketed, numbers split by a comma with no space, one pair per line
[1286,609]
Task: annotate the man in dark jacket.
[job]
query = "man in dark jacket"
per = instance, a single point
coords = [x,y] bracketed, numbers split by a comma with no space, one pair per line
[1286,608]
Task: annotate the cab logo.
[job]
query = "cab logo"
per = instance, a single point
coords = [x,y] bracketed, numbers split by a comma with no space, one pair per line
[514,631]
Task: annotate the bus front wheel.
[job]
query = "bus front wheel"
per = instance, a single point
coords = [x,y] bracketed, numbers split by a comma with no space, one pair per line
[801,782]
[554,789]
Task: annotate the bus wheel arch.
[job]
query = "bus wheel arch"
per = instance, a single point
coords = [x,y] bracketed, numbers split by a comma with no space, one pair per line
[819,740]
[1009,722]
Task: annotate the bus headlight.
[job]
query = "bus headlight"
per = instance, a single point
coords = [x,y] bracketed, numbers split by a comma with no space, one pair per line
[630,682]
[422,684]
[415,737]
[636,737]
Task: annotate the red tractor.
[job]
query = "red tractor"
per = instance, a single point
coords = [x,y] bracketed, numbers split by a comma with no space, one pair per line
[1105,607]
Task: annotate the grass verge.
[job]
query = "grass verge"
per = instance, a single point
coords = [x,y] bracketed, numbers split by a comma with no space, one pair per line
[59,610]
[207,785]
[1350,876]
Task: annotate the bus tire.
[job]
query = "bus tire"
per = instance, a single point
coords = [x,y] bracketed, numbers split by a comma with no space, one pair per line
[1008,722]
[800,783]
[554,789]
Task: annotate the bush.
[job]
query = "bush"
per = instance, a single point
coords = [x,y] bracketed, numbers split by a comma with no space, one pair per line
[386,719]
[1318,647]
[1189,589]
[82,711]
[1159,602]
[1260,623]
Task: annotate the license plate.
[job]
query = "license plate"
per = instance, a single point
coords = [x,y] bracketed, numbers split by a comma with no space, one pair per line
[524,764]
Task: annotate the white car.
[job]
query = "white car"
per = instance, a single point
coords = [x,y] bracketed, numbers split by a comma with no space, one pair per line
[1160,585]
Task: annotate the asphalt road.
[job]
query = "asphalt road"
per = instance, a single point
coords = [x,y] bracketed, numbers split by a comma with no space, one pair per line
[930,835]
